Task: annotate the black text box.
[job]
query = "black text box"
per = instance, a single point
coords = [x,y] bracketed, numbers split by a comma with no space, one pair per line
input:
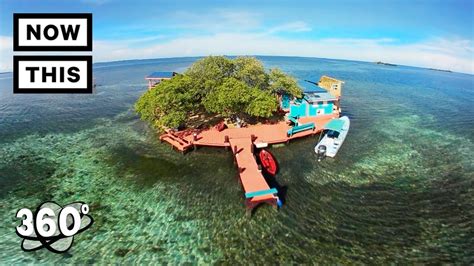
[52,74]
[52,32]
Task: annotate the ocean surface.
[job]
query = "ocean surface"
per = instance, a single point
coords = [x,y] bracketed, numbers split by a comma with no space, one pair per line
[401,188]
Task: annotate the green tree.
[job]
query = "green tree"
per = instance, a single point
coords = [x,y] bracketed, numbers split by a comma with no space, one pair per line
[251,71]
[169,103]
[216,85]
[283,83]
[262,103]
[209,72]
[229,98]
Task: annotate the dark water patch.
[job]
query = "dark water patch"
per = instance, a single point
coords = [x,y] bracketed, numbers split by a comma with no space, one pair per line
[390,224]
[375,223]
[23,171]
[147,170]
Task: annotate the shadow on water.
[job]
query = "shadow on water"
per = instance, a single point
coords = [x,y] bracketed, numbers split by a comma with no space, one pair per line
[27,169]
[272,179]
[368,223]
[384,221]
[273,183]
[147,170]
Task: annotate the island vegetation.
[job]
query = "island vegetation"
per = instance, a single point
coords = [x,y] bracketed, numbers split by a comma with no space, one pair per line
[216,87]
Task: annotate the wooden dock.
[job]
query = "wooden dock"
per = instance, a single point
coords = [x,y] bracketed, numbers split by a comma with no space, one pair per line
[242,141]
[251,179]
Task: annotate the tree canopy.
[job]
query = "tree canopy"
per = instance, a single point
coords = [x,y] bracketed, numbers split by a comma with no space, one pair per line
[216,85]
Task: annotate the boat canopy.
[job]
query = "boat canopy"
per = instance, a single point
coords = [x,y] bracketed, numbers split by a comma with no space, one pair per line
[335,124]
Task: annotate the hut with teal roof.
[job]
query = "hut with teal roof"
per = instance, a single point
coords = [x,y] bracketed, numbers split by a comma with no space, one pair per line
[322,99]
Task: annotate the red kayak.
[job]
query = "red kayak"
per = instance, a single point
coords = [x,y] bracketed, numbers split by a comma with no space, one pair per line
[268,162]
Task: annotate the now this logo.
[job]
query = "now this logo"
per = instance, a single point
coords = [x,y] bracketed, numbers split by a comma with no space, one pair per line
[52,32]
[52,73]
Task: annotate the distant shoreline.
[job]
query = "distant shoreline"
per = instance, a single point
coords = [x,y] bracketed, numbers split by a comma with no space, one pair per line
[385,64]
[99,63]
[441,70]
[428,68]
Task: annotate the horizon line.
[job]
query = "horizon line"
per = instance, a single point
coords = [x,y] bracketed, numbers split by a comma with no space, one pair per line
[293,56]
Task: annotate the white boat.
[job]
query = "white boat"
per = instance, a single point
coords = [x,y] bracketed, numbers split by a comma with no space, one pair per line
[333,135]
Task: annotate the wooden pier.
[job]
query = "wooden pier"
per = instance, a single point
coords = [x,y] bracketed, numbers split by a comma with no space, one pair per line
[242,142]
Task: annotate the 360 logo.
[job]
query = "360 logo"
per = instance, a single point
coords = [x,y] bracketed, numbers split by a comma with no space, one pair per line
[52,226]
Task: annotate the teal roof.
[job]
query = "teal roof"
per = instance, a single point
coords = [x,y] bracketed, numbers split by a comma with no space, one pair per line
[314,97]
[314,89]
[161,75]
[335,124]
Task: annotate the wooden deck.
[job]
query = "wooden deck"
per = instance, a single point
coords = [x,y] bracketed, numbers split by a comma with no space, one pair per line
[267,133]
[177,142]
[241,141]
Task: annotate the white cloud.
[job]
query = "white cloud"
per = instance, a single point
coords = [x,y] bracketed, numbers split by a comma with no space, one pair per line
[6,53]
[218,20]
[297,26]
[443,53]
[440,53]
[231,20]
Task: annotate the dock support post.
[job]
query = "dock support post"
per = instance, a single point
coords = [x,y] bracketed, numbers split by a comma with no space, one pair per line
[275,208]
[194,140]
[234,151]
[248,208]
[252,138]
[248,212]
[226,141]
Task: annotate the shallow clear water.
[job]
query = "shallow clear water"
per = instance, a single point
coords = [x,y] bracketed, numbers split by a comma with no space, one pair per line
[400,190]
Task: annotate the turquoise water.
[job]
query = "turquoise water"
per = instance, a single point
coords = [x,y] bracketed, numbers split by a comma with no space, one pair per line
[400,190]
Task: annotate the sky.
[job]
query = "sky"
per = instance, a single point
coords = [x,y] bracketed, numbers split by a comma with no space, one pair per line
[431,33]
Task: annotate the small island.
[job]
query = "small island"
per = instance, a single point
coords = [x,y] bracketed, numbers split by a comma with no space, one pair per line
[385,64]
[441,70]
[239,105]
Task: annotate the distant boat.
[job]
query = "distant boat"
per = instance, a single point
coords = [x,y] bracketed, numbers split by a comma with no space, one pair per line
[268,162]
[334,134]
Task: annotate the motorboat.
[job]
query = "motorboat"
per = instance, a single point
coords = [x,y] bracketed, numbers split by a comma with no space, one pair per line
[332,137]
